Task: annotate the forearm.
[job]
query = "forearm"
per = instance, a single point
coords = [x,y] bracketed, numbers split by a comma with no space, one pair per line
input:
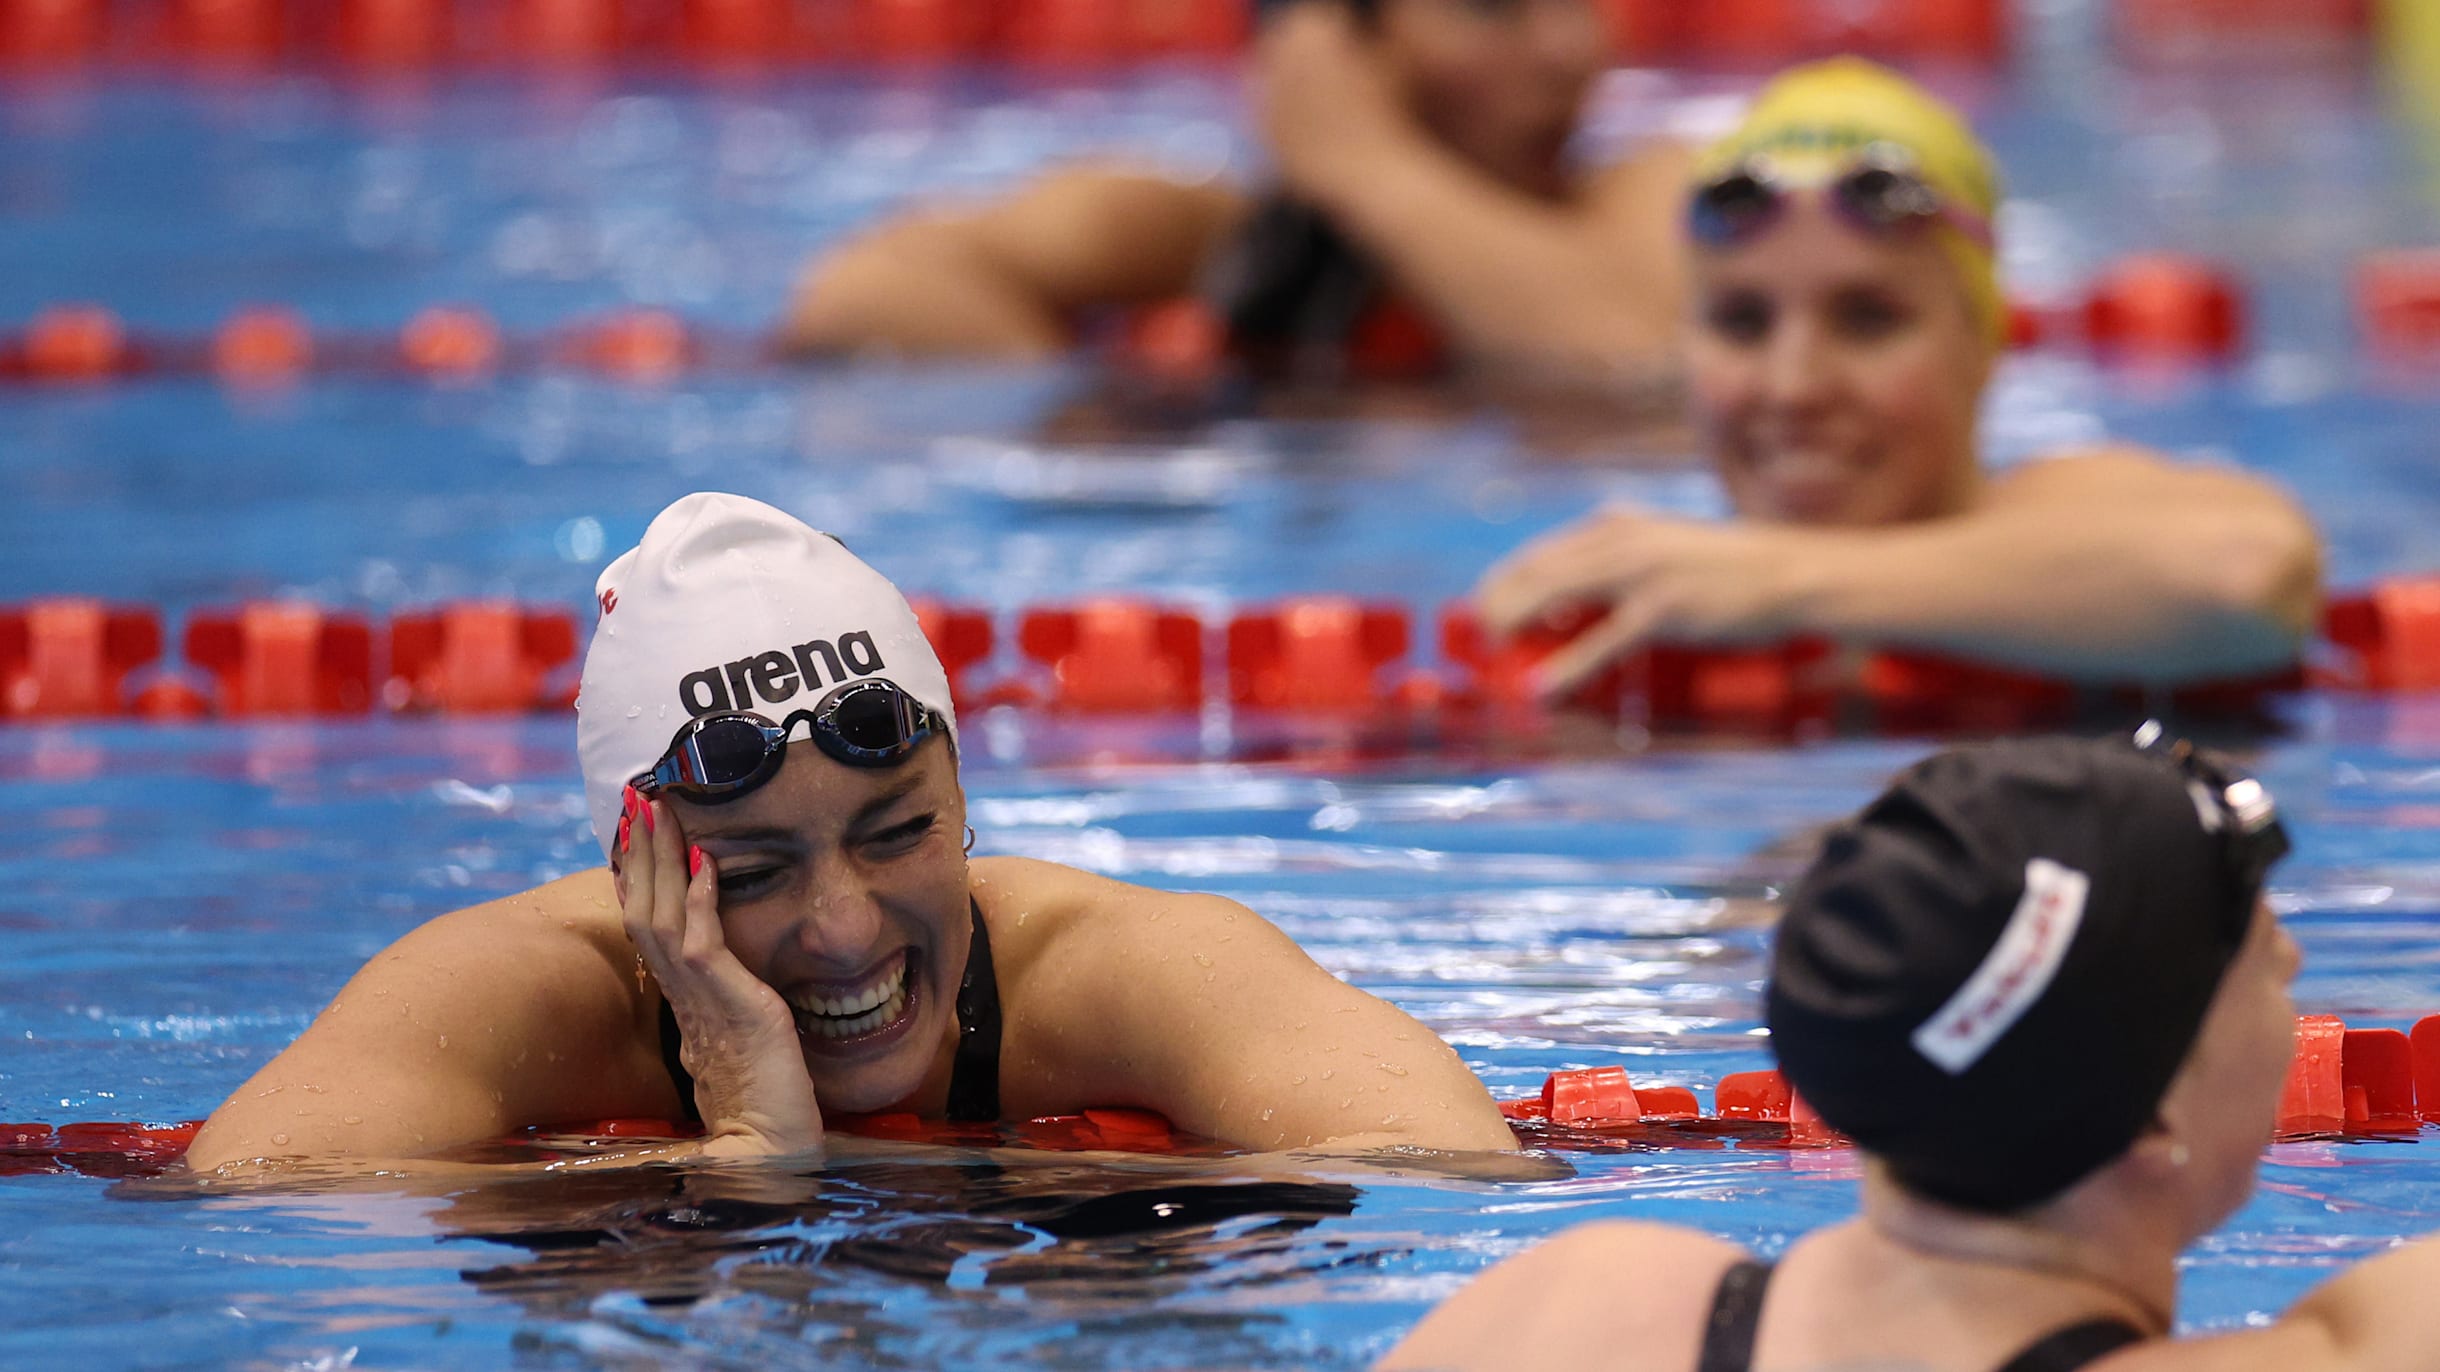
[1518,281]
[916,293]
[2058,592]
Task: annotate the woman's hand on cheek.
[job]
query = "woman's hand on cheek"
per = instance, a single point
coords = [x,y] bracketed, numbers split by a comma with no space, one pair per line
[1661,579]
[1328,109]
[739,1036]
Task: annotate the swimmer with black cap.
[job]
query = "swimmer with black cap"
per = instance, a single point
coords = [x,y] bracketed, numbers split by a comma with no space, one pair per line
[1422,158]
[2037,983]
[1847,320]
[789,927]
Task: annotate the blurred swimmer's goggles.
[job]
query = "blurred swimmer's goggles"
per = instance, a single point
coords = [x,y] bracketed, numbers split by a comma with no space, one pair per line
[724,757]
[2230,804]
[1879,193]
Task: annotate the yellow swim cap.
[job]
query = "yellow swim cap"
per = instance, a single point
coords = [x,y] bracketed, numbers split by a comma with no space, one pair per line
[1815,120]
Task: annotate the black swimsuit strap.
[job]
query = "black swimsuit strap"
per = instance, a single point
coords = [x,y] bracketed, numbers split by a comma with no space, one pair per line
[1736,1316]
[974,1074]
[2076,1346]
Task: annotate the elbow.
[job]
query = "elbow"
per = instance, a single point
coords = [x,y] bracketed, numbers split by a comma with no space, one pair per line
[2274,579]
[2261,587]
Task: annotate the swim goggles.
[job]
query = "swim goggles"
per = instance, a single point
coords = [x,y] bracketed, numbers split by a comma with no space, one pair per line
[723,757]
[2232,804]
[1881,193]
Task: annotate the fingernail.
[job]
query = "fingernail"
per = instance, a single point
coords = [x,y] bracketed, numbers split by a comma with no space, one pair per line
[626,822]
[694,861]
[648,817]
[628,800]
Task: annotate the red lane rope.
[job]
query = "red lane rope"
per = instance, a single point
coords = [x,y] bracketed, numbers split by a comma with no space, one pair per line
[2341,1082]
[1323,656]
[2145,311]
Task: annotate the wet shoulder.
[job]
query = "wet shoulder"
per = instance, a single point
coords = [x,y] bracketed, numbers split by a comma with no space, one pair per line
[1571,1301]
[563,926]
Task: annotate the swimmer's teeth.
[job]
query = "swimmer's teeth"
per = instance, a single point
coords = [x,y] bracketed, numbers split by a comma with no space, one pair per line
[847,1016]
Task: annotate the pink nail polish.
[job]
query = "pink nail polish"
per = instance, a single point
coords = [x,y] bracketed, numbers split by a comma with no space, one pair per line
[694,861]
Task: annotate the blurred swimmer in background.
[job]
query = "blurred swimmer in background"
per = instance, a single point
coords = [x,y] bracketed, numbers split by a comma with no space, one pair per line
[1847,315]
[790,929]
[2038,986]
[1421,151]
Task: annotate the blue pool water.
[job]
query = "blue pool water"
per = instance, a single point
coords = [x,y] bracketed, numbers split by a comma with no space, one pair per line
[175,903]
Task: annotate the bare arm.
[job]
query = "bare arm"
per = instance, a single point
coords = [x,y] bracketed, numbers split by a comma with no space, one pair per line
[1591,286]
[1002,281]
[2376,1317]
[2108,566]
[475,1025]
[1197,1008]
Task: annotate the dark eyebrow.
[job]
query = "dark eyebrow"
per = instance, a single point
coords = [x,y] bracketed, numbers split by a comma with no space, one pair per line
[749,833]
[888,798]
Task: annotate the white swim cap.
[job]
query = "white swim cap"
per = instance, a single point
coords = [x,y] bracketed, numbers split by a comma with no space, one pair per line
[729,604]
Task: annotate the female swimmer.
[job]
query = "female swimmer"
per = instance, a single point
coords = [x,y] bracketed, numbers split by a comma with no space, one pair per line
[1420,141]
[790,929]
[2037,984]
[1847,318]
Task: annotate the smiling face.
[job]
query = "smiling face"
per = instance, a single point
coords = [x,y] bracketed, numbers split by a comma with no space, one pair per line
[845,889]
[1836,374]
[1501,82]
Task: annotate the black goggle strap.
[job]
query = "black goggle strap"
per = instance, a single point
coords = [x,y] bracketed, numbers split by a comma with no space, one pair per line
[2235,806]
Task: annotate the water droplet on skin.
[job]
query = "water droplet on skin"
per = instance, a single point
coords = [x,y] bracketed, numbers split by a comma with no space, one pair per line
[1393,1069]
[1203,961]
[316,1090]
[1330,1073]
[444,1040]
[1300,1080]
[1266,1115]
[1347,1102]
[351,1119]
[279,1138]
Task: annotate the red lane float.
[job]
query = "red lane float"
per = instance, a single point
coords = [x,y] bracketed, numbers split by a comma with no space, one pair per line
[1776,32]
[488,658]
[74,343]
[1315,653]
[2282,30]
[51,32]
[2397,302]
[1312,655]
[62,659]
[263,346]
[391,33]
[961,637]
[1117,655]
[2341,1081]
[447,341]
[279,658]
[2165,307]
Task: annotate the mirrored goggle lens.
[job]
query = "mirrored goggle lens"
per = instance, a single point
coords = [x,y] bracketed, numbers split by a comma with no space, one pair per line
[722,753]
[1887,199]
[876,719]
[1733,207]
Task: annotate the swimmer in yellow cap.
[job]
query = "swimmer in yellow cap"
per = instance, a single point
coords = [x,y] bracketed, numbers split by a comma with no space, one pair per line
[1847,317]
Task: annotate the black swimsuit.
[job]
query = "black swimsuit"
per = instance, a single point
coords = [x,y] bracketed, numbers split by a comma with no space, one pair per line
[974,1074]
[1736,1316]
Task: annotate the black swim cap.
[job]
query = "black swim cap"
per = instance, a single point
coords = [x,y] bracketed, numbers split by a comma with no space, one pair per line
[1989,977]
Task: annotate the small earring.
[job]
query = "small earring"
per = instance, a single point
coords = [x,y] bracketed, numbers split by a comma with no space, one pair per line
[969,838]
[2180,1155]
